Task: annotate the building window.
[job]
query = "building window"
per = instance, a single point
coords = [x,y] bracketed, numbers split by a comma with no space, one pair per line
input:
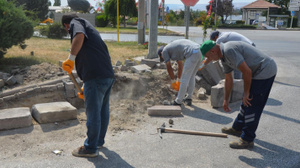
[252,12]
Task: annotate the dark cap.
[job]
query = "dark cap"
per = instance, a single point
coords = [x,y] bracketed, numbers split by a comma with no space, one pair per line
[159,52]
[214,34]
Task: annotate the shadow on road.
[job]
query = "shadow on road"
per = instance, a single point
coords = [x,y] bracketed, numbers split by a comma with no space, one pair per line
[272,156]
[203,114]
[108,158]
[287,84]
[282,117]
[273,102]
[25,130]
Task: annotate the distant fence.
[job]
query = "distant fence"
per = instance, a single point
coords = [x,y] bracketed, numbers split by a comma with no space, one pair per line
[90,17]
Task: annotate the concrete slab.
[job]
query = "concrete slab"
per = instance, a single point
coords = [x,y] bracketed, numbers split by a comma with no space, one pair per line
[160,110]
[150,62]
[52,112]
[15,118]
[140,68]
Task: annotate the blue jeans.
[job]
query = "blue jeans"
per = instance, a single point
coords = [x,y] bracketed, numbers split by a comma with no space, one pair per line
[248,118]
[97,92]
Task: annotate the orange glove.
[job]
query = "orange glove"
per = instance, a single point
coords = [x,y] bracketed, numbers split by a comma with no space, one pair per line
[177,85]
[80,94]
[173,84]
[68,64]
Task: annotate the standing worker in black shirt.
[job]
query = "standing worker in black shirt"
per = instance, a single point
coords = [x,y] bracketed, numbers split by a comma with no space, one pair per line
[93,66]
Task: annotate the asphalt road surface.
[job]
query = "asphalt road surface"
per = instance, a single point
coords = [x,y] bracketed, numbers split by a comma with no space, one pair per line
[277,144]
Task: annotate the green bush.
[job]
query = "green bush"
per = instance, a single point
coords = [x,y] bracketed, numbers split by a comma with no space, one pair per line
[54,31]
[240,22]
[132,21]
[102,20]
[237,26]
[15,27]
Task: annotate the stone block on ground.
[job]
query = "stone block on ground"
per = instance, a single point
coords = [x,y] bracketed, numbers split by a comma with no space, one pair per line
[201,93]
[118,63]
[140,68]
[217,95]
[160,110]
[237,90]
[150,62]
[11,81]
[15,118]
[20,79]
[210,74]
[52,112]
[161,66]
[1,83]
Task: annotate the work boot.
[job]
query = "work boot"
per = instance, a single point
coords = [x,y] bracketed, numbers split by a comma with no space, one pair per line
[231,131]
[241,144]
[175,103]
[188,102]
[82,152]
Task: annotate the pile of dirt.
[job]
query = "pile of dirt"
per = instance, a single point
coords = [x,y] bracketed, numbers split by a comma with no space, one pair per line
[131,95]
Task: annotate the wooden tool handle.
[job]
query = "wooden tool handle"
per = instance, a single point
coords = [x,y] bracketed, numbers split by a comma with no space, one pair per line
[194,132]
[75,82]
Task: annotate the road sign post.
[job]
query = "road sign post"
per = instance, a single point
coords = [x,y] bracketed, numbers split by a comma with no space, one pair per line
[187,4]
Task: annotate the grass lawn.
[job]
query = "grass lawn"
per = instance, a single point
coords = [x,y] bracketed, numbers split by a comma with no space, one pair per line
[133,30]
[54,50]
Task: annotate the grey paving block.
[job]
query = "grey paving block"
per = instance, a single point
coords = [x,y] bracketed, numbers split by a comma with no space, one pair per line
[15,118]
[1,83]
[52,112]
[160,110]
[217,95]
[140,68]
[11,81]
[150,62]
[237,90]
[210,74]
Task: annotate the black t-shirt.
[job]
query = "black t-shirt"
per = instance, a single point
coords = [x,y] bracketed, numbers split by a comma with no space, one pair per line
[93,60]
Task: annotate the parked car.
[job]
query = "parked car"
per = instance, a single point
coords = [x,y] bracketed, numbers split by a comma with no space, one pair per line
[255,22]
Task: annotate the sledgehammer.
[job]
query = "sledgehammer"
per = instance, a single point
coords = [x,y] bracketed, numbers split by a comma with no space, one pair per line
[163,129]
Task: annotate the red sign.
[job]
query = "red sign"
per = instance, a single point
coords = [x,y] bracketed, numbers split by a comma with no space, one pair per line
[189,2]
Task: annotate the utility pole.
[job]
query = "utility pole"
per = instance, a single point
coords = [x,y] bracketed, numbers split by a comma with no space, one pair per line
[141,22]
[216,12]
[153,30]
[187,19]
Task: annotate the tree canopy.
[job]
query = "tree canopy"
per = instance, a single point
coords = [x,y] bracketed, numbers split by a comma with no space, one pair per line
[126,8]
[283,4]
[15,27]
[39,7]
[223,8]
[79,5]
[57,3]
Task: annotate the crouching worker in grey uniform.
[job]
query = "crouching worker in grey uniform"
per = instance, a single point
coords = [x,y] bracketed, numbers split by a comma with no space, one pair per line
[224,37]
[259,71]
[180,50]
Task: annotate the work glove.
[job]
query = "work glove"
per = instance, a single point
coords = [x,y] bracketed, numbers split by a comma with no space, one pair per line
[68,64]
[176,84]
[202,65]
[80,94]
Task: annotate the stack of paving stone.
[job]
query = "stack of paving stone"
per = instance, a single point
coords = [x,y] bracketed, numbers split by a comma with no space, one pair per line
[145,65]
[13,118]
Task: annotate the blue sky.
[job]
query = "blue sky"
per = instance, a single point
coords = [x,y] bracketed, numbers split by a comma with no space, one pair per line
[93,2]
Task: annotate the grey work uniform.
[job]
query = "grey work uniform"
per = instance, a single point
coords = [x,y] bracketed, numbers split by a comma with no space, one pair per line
[225,37]
[190,51]
[263,69]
